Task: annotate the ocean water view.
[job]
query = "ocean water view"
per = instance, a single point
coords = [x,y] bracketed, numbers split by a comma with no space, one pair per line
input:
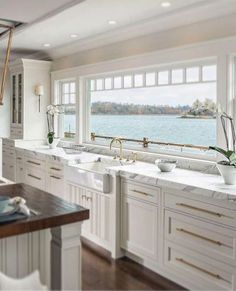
[167,128]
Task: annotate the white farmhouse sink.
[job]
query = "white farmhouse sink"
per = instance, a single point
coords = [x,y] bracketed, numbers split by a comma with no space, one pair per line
[92,174]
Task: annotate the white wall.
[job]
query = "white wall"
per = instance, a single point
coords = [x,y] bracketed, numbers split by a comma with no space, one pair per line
[4,116]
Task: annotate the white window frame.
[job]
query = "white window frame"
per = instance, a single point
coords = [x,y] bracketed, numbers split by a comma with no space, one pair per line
[59,121]
[146,69]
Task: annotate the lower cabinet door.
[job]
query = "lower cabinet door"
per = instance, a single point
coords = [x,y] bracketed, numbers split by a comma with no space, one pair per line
[20,173]
[97,227]
[55,185]
[139,227]
[8,170]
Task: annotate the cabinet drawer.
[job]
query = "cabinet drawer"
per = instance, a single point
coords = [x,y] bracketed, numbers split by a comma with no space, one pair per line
[201,209]
[35,163]
[209,239]
[7,151]
[204,273]
[55,169]
[140,191]
[35,177]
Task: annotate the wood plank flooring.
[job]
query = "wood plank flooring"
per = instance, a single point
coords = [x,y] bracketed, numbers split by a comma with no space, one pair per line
[101,273]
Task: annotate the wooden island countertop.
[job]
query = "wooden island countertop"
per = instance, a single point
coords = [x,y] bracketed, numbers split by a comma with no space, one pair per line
[52,211]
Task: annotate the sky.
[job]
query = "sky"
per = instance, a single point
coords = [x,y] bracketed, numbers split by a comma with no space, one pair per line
[164,95]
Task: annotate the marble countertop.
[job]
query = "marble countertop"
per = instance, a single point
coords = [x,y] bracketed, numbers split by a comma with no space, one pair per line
[195,182]
[199,183]
[57,154]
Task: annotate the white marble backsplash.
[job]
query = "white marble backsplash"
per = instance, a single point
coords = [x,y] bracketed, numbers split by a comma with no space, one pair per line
[183,163]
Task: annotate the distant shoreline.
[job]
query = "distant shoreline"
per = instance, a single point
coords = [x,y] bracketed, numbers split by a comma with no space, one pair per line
[197,117]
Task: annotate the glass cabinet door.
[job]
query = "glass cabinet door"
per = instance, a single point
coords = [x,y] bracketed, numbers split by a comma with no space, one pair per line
[19,100]
[14,110]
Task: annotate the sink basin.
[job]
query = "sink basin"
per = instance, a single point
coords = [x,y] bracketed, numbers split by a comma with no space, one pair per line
[92,174]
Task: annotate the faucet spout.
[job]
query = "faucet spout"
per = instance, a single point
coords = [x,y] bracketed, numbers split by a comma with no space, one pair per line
[118,140]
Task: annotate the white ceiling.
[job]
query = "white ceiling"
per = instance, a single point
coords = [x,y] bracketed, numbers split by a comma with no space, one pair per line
[28,10]
[50,22]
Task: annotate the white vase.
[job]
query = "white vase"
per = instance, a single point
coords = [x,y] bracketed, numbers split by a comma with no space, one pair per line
[228,173]
[54,144]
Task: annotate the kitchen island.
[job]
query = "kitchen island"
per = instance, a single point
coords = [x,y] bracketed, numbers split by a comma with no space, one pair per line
[48,240]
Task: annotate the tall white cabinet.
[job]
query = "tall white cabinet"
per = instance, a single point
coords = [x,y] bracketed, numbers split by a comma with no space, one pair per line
[27,121]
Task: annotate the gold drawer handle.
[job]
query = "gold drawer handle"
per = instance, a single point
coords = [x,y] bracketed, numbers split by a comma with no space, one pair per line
[55,169]
[202,210]
[35,177]
[200,236]
[216,276]
[55,177]
[141,192]
[34,163]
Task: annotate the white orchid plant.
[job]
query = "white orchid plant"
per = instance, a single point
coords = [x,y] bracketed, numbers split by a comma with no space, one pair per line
[52,111]
[230,152]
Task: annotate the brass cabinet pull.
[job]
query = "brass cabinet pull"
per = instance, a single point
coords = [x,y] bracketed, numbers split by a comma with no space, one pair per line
[35,177]
[19,158]
[141,192]
[55,177]
[202,210]
[34,163]
[55,169]
[200,236]
[216,276]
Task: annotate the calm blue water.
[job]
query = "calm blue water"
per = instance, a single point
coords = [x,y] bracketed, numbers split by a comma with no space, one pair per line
[156,127]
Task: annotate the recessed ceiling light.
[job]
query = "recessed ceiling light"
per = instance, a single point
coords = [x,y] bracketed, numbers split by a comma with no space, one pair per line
[73,35]
[165,4]
[112,22]
[47,45]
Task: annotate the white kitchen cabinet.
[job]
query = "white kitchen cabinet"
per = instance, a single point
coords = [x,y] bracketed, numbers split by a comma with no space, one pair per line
[55,185]
[8,160]
[27,122]
[200,241]
[139,228]
[97,228]
[202,273]
[140,219]
[55,178]
[20,172]
[35,177]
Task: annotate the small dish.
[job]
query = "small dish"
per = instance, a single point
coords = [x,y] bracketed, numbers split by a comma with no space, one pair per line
[166,165]
[5,207]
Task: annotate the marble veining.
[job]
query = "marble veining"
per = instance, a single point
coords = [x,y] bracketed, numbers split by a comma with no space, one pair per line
[208,185]
[195,182]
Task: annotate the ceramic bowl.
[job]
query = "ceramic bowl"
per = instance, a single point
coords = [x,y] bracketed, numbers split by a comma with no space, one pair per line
[166,165]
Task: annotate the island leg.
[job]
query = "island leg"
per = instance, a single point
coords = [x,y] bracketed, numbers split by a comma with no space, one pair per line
[66,257]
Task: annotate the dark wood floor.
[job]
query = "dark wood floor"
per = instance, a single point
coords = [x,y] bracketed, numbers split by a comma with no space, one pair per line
[101,273]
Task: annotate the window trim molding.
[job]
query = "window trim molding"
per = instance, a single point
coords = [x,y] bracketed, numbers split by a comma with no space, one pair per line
[85,139]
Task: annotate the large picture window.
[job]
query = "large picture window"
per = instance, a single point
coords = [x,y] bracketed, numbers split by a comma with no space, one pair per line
[171,105]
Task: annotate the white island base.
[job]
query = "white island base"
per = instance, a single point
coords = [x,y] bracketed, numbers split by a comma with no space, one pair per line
[22,254]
